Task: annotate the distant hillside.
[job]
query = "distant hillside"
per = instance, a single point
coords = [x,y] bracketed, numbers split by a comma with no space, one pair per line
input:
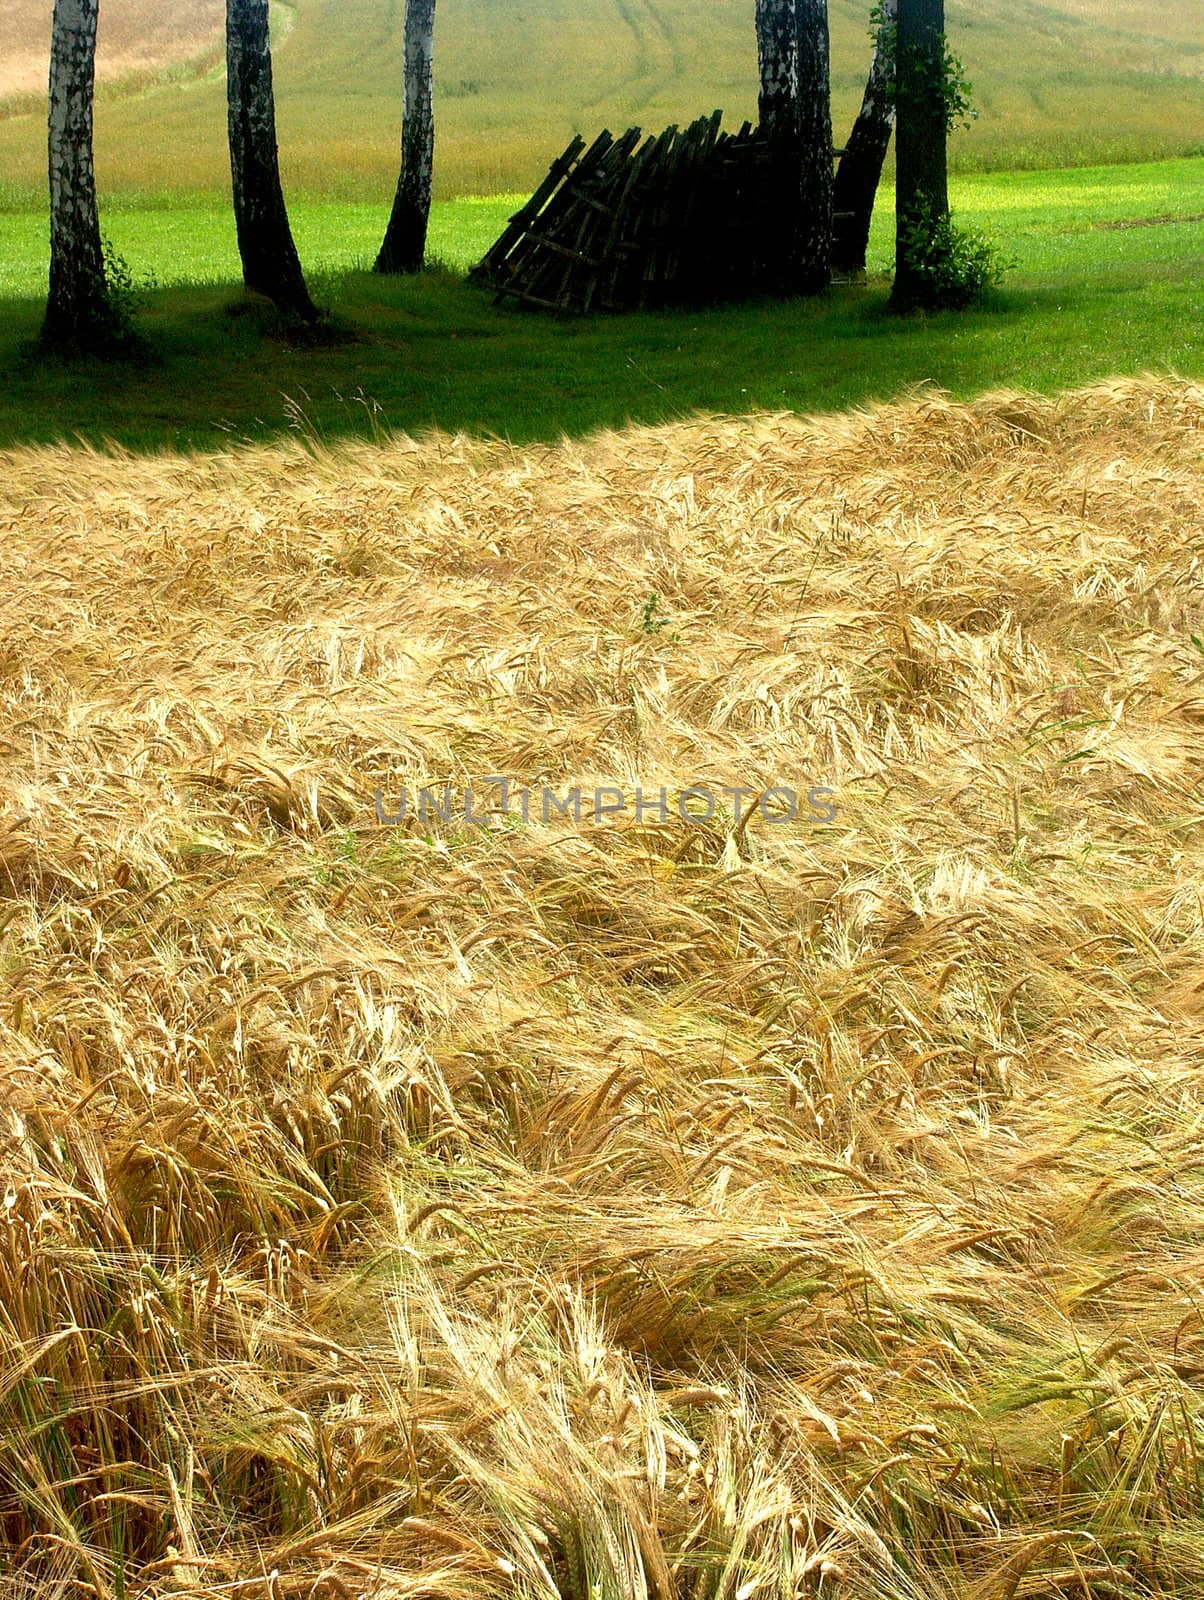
[1067,83]
[138,38]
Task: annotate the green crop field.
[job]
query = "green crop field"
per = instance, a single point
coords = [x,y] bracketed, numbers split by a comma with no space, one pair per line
[1072,83]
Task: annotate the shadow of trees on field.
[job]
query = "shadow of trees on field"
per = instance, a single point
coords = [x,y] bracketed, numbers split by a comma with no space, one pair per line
[434,353]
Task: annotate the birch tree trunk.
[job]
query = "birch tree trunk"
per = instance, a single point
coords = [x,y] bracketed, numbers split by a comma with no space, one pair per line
[78,314]
[921,147]
[777,53]
[270,263]
[404,247]
[814,251]
[860,169]
[796,116]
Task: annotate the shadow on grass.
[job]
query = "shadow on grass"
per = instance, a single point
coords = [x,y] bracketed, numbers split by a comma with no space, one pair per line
[434,353]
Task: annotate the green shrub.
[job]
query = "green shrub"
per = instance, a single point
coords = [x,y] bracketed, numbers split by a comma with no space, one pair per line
[954,268]
[125,296]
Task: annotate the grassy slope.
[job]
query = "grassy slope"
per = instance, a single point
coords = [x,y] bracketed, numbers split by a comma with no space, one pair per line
[1055,86]
[645,1212]
[1090,296]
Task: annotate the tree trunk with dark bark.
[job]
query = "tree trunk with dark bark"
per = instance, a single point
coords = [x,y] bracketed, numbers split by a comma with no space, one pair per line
[860,169]
[814,257]
[404,247]
[777,51]
[270,263]
[795,109]
[921,148]
[79,316]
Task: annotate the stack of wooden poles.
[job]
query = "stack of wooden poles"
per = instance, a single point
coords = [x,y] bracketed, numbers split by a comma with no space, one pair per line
[682,218]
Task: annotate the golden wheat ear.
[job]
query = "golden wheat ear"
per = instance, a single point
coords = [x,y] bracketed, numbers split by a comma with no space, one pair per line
[738,1206]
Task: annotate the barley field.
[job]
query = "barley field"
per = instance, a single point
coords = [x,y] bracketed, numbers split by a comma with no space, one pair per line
[707,1206]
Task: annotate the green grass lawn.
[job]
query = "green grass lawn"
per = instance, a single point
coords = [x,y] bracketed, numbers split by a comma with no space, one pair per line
[1108,276]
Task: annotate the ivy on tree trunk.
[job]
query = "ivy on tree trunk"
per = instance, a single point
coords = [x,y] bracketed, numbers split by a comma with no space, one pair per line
[270,263]
[860,169]
[78,313]
[404,247]
[921,148]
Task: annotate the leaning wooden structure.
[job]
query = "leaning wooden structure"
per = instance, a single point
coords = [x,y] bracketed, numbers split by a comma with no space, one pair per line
[681,218]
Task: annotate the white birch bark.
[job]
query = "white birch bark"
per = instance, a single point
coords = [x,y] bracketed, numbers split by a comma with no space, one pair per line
[777,52]
[77,308]
[404,247]
[793,49]
[860,170]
